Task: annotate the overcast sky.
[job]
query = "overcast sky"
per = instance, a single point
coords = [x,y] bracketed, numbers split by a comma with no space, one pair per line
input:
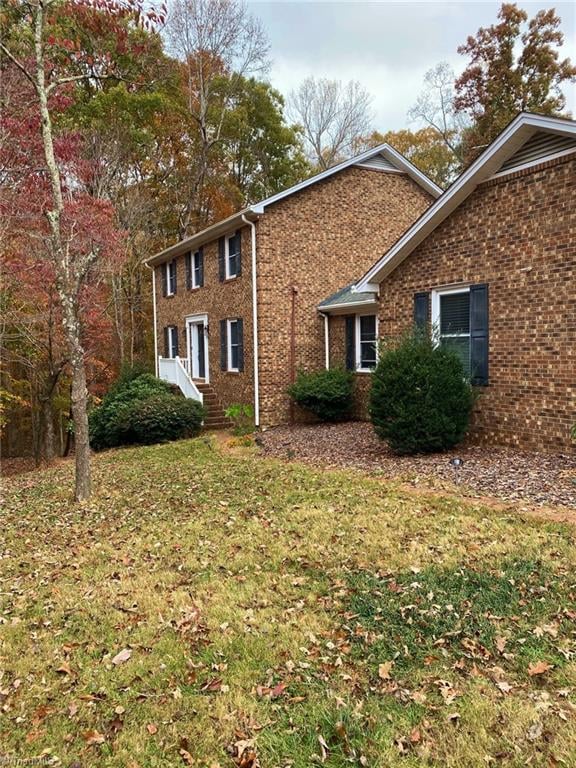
[387,46]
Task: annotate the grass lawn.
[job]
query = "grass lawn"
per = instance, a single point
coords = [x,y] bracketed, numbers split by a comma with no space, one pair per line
[219,609]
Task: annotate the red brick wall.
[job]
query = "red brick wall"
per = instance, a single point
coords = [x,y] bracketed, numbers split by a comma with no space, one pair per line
[518,234]
[219,300]
[318,241]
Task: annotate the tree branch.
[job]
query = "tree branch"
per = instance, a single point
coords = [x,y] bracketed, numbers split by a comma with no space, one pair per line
[20,66]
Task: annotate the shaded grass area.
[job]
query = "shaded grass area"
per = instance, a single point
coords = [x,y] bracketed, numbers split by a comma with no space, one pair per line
[269,610]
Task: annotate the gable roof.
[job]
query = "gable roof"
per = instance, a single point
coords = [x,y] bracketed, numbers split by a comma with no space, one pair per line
[383,158]
[518,146]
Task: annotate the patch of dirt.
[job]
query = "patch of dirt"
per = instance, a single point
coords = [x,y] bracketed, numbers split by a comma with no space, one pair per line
[543,479]
[17,466]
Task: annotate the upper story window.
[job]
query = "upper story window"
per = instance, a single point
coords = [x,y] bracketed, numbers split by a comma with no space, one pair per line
[232,253]
[451,322]
[367,342]
[169,278]
[195,269]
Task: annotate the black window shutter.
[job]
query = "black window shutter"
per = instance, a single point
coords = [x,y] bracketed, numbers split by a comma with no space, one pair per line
[239,251]
[201,269]
[223,346]
[479,334]
[188,261]
[350,343]
[175,275]
[221,257]
[163,268]
[166,346]
[240,326]
[421,310]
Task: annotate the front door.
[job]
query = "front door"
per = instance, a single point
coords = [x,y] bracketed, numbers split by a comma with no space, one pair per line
[198,349]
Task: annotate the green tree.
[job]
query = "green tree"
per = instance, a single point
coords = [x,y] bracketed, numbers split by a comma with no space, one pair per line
[514,66]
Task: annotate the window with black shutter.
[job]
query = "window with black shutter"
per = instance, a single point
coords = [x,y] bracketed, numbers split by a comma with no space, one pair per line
[460,318]
[367,342]
[233,255]
[171,341]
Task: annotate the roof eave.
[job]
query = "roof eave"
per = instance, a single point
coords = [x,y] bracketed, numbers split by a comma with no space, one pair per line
[205,236]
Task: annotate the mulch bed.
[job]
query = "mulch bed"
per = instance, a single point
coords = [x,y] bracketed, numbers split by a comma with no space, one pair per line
[508,474]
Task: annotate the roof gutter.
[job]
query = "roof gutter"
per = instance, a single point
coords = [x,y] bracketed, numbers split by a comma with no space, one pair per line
[254,323]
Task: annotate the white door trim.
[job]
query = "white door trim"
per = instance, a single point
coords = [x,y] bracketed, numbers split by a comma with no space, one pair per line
[197,320]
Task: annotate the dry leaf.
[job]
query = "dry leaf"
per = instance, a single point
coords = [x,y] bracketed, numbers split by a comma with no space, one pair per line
[324,748]
[122,657]
[186,757]
[93,737]
[385,669]
[501,643]
[415,735]
[539,668]
[152,729]
[503,686]
[65,669]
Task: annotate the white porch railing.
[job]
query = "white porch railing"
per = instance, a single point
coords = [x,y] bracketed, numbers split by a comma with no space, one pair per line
[172,370]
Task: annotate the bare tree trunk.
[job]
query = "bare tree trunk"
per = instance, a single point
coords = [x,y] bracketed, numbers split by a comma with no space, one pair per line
[81,435]
[47,437]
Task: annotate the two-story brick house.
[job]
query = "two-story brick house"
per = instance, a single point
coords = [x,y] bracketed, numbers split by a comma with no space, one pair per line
[235,306]
[491,267]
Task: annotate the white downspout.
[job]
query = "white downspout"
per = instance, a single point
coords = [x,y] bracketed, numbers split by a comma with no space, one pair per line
[326,339]
[153,270]
[254,323]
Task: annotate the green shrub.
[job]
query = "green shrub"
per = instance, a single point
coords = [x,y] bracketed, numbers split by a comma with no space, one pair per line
[242,416]
[420,400]
[327,394]
[160,418]
[131,402]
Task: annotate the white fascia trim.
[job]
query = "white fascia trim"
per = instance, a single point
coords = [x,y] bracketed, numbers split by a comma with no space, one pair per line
[371,303]
[521,128]
[385,149]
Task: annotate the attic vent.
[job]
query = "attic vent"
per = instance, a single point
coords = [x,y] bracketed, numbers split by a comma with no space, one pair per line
[540,146]
[379,163]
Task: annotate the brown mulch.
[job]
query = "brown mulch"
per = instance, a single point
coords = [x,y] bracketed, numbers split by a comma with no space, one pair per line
[504,473]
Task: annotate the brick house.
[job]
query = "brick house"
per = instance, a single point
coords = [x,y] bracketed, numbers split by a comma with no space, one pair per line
[491,268]
[235,306]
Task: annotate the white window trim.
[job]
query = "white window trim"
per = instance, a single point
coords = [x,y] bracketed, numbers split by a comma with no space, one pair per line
[171,341]
[167,265]
[357,342]
[436,294]
[229,275]
[229,346]
[195,254]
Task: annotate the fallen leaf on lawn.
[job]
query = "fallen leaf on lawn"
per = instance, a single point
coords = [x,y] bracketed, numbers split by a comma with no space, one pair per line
[503,686]
[539,668]
[324,748]
[186,757]
[152,729]
[535,731]
[453,717]
[384,670]
[93,737]
[65,669]
[501,643]
[122,657]
[415,735]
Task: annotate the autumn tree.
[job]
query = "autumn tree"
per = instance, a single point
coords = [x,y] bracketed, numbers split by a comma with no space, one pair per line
[435,108]
[514,65]
[72,240]
[333,117]
[219,42]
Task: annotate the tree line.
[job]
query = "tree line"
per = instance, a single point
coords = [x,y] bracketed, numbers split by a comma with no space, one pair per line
[125,128]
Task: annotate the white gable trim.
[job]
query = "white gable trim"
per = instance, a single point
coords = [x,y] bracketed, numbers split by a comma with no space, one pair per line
[484,167]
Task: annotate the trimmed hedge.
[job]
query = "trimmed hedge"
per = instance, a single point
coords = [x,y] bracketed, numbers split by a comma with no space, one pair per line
[142,410]
[327,394]
[420,400]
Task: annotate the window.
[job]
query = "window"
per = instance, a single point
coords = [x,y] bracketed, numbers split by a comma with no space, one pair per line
[170,278]
[233,346]
[171,341]
[197,277]
[451,321]
[232,255]
[366,342]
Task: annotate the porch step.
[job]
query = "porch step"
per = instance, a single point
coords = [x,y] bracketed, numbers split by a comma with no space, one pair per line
[214,418]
